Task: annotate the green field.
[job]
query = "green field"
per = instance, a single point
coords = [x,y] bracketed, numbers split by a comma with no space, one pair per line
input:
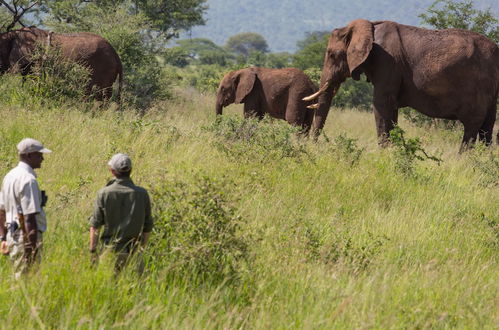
[257,228]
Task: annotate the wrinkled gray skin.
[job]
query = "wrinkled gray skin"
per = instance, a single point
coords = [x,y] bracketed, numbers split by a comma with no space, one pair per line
[451,74]
[88,49]
[276,92]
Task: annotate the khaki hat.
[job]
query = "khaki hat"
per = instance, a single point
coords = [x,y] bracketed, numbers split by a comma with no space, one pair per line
[28,145]
[120,163]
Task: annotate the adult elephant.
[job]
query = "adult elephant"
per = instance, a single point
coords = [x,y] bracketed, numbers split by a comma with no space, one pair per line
[451,74]
[277,92]
[88,49]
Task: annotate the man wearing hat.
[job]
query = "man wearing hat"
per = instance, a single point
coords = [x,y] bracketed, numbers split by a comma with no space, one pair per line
[22,219]
[124,210]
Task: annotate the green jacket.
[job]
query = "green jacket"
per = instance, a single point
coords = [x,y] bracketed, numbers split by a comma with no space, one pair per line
[124,210]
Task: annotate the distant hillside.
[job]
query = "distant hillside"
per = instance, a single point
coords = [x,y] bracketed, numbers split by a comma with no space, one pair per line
[284,22]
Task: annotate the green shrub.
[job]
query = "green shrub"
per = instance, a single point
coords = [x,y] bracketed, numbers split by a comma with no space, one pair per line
[336,247]
[54,77]
[197,229]
[346,149]
[407,151]
[486,163]
[251,140]
[52,80]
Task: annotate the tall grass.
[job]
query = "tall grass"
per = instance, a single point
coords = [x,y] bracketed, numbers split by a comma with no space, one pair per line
[328,240]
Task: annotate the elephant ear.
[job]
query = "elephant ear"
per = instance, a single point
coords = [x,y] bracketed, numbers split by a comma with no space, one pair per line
[245,86]
[360,43]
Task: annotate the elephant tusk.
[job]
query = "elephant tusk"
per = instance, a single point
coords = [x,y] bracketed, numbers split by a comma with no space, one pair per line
[313,106]
[319,92]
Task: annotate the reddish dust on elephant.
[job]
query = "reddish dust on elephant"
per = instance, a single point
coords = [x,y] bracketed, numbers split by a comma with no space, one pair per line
[276,92]
[451,74]
[88,49]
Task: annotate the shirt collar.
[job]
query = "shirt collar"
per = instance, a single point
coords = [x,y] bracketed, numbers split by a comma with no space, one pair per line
[123,180]
[28,168]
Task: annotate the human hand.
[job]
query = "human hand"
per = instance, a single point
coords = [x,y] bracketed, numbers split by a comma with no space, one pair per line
[4,248]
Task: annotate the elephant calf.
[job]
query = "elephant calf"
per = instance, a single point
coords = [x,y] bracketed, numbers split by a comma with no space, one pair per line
[277,92]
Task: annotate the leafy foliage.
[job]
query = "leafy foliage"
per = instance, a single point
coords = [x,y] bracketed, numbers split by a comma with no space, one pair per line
[165,18]
[144,81]
[338,248]
[311,50]
[407,151]
[197,229]
[346,149]
[245,43]
[251,140]
[486,163]
[52,80]
[197,51]
[444,14]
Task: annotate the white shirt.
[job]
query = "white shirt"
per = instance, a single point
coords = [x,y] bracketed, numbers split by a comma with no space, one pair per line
[20,193]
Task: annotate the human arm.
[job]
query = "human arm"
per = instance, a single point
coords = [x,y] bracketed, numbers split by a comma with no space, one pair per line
[30,206]
[148,222]
[30,247]
[96,221]
[3,233]
[94,237]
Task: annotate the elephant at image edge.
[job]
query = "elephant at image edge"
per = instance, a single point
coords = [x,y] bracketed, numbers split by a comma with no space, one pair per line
[451,74]
[88,49]
[277,92]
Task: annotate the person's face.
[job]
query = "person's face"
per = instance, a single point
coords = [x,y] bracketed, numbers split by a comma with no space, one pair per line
[35,159]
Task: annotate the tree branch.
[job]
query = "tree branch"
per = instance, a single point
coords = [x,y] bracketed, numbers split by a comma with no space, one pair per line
[15,12]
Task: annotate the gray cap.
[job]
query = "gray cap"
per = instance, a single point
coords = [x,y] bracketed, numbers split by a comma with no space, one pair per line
[120,163]
[28,145]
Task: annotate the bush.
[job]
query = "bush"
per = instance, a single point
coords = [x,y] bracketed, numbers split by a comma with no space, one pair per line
[251,140]
[52,80]
[407,151]
[486,163]
[144,81]
[336,247]
[346,149]
[197,229]
[54,77]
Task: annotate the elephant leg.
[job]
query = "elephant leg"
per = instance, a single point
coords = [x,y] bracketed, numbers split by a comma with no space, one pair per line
[471,129]
[386,117]
[485,132]
[296,114]
[307,122]
[252,109]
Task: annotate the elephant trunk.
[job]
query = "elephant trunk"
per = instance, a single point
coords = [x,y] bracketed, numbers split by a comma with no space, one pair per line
[323,106]
[219,108]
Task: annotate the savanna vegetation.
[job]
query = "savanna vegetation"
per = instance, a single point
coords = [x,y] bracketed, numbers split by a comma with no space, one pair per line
[255,226]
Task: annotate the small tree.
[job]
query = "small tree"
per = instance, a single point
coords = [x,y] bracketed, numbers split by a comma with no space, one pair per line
[197,51]
[311,50]
[444,14]
[245,43]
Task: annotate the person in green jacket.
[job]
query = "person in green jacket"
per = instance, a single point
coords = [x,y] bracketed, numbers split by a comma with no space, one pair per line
[124,210]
